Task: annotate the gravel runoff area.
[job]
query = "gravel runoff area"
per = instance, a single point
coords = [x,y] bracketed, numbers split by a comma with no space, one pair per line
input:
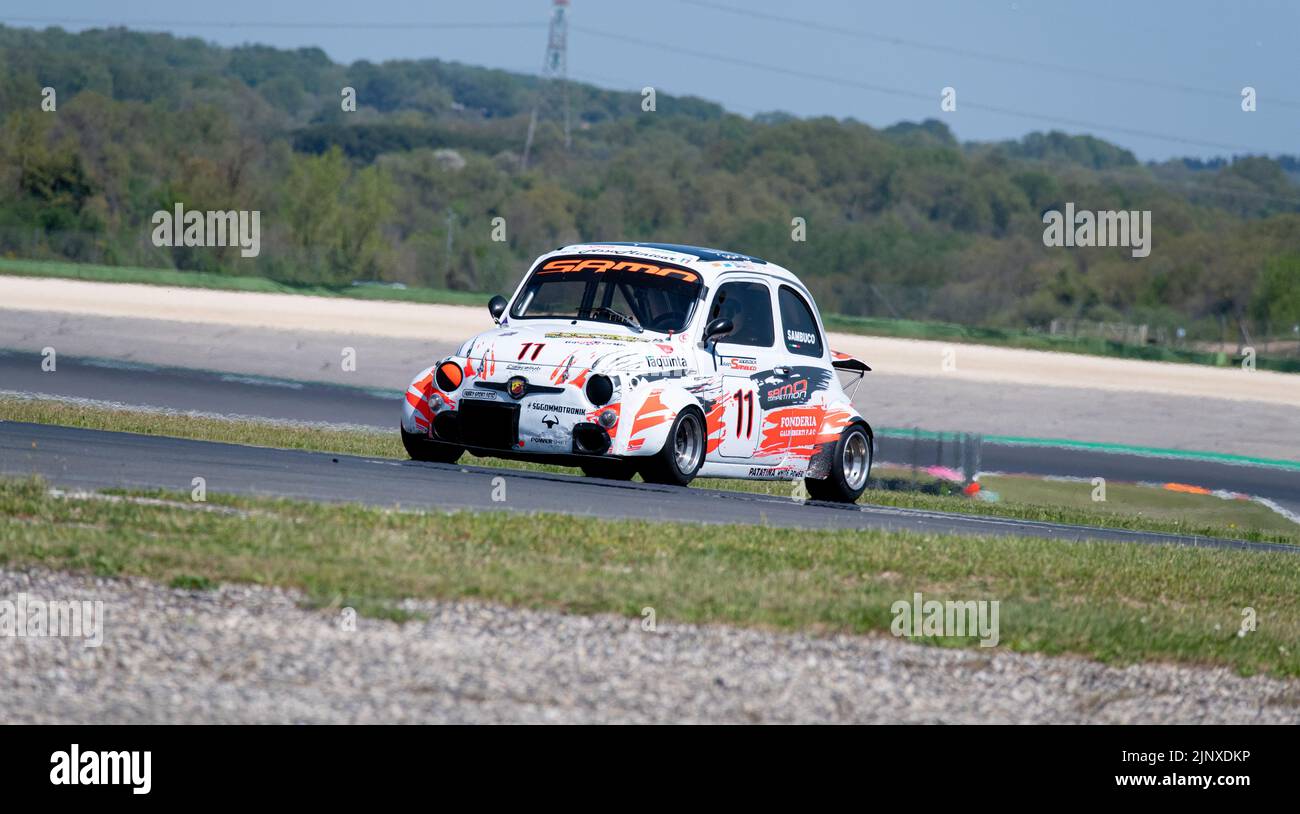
[250,654]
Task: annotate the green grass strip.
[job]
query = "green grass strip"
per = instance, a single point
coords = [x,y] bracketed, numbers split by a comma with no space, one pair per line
[1119,604]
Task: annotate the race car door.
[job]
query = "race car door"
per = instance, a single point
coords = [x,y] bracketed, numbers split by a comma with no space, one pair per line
[792,400]
[743,355]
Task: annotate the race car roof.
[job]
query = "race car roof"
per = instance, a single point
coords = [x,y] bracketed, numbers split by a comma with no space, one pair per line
[704,254]
[713,264]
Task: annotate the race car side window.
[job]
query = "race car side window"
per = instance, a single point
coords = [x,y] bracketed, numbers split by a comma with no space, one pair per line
[749,307]
[799,324]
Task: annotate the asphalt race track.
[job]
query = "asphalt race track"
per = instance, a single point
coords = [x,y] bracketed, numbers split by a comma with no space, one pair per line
[92,459]
[184,389]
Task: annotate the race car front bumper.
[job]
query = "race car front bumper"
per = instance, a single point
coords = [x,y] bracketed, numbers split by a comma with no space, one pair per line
[543,419]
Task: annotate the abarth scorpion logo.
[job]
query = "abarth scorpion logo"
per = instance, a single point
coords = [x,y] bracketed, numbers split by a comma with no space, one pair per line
[517,386]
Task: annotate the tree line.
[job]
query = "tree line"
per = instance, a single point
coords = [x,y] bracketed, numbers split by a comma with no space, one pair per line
[904,221]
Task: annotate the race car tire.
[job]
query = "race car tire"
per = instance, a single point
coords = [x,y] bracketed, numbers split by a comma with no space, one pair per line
[682,454]
[426,449]
[609,470]
[850,467]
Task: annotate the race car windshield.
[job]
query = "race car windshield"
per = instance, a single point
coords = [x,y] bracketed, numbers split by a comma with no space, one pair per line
[642,295]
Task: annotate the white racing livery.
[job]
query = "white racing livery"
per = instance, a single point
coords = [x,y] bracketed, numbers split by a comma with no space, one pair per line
[664,360]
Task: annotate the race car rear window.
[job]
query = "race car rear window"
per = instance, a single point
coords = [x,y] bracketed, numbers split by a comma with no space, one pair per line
[799,324]
[749,307]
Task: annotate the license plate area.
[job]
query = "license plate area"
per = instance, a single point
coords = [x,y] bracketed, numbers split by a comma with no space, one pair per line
[490,425]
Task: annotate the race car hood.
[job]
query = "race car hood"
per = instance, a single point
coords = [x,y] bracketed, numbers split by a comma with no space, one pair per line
[512,349]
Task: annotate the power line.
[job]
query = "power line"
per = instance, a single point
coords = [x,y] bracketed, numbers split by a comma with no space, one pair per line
[665,47]
[1192,187]
[1115,175]
[986,56]
[623,84]
[929,98]
[268,24]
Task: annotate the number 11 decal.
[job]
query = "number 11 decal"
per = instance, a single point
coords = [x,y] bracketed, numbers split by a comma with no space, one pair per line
[536,346]
[745,412]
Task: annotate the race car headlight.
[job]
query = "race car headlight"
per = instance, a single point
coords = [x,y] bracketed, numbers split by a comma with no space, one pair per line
[448,376]
[607,418]
[600,389]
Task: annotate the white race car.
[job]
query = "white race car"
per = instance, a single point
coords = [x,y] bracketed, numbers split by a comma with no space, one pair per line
[671,361]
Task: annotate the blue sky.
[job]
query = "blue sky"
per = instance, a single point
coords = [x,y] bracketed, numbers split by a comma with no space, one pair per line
[1160,78]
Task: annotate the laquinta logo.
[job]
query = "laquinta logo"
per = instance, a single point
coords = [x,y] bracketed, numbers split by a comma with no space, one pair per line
[666,362]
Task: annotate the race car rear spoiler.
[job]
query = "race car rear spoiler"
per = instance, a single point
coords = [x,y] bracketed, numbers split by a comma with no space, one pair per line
[842,361]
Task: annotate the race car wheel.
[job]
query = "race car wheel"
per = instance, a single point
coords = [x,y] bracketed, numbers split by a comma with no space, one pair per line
[426,449]
[850,465]
[682,454]
[610,470]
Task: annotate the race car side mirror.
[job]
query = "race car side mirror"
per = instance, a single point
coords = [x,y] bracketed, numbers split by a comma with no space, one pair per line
[497,307]
[718,327]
